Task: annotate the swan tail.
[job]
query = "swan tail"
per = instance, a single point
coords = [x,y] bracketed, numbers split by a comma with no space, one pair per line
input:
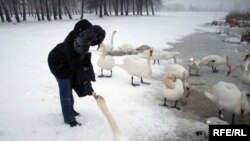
[210,96]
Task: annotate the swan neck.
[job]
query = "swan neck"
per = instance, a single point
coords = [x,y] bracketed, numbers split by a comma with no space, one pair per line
[112,38]
[101,103]
[104,53]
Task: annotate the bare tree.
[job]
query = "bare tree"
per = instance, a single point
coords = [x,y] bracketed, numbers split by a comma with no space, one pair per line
[146,2]
[54,9]
[109,7]
[24,10]
[41,8]
[152,7]
[16,12]
[7,14]
[126,5]
[100,10]
[105,8]
[121,6]
[115,5]
[60,9]
[82,10]
[37,11]
[47,10]
[67,10]
[1,13]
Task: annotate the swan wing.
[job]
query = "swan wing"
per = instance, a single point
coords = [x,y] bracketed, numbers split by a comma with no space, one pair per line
[176,93]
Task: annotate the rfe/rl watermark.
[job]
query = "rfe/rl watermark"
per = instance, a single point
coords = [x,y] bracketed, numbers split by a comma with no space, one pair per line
[229,132]
[234,132]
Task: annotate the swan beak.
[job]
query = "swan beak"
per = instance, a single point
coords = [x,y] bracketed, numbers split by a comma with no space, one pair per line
[151,52]
[188,92]
[228,73]
[242,113]
[247,56]
[98,47]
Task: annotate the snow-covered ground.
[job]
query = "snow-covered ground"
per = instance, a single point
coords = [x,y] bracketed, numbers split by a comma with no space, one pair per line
[30,108]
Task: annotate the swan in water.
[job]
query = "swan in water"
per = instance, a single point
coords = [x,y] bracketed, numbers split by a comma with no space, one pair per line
[214,60]
[228,97]
[105,62]
[245,68]
[137,66]
[173,90]
[193,64]
[109,46]
[118,134]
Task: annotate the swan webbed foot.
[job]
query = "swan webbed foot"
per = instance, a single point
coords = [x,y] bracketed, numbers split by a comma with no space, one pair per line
[215,71]
[147,83]
[164,105]
[101,76]
[248,94]
[178,108]
[134,85]
[108,76]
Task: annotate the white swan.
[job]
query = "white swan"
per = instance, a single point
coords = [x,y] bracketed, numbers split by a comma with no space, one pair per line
[228,97]
[161,55]
[142,48]
[105,62]
[173,89]
[178,70]
[109,46]
[214,60]
[118,134]
[137,66]
[245,77]
[193,64]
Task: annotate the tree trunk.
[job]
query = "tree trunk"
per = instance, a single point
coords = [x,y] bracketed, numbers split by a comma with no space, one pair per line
[15,10]
[100,10]
[126,5]
[10,7]
[47,10]
[1,13]
[152,7]
[82,10]
[60,9]
[67,10]
[109,7]
[133,6]
[7,14]
[138,7]
[146,1]
[105,8]
[121,6]
[41,8]
[116,7]
[24,10]
[37,11]
[54,9]
[141,7]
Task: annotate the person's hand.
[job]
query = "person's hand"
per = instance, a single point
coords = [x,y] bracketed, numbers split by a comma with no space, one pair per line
[88,90]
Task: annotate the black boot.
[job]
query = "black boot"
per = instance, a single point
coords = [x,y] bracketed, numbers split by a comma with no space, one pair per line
[74,123]
[76,113]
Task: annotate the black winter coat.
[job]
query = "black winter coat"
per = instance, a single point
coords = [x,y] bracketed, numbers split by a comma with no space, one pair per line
[65,63]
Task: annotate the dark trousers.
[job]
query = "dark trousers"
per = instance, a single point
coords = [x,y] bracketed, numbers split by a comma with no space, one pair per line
[66,99]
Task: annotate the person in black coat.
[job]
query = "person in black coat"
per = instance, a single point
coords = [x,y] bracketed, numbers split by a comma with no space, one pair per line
[70,63]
